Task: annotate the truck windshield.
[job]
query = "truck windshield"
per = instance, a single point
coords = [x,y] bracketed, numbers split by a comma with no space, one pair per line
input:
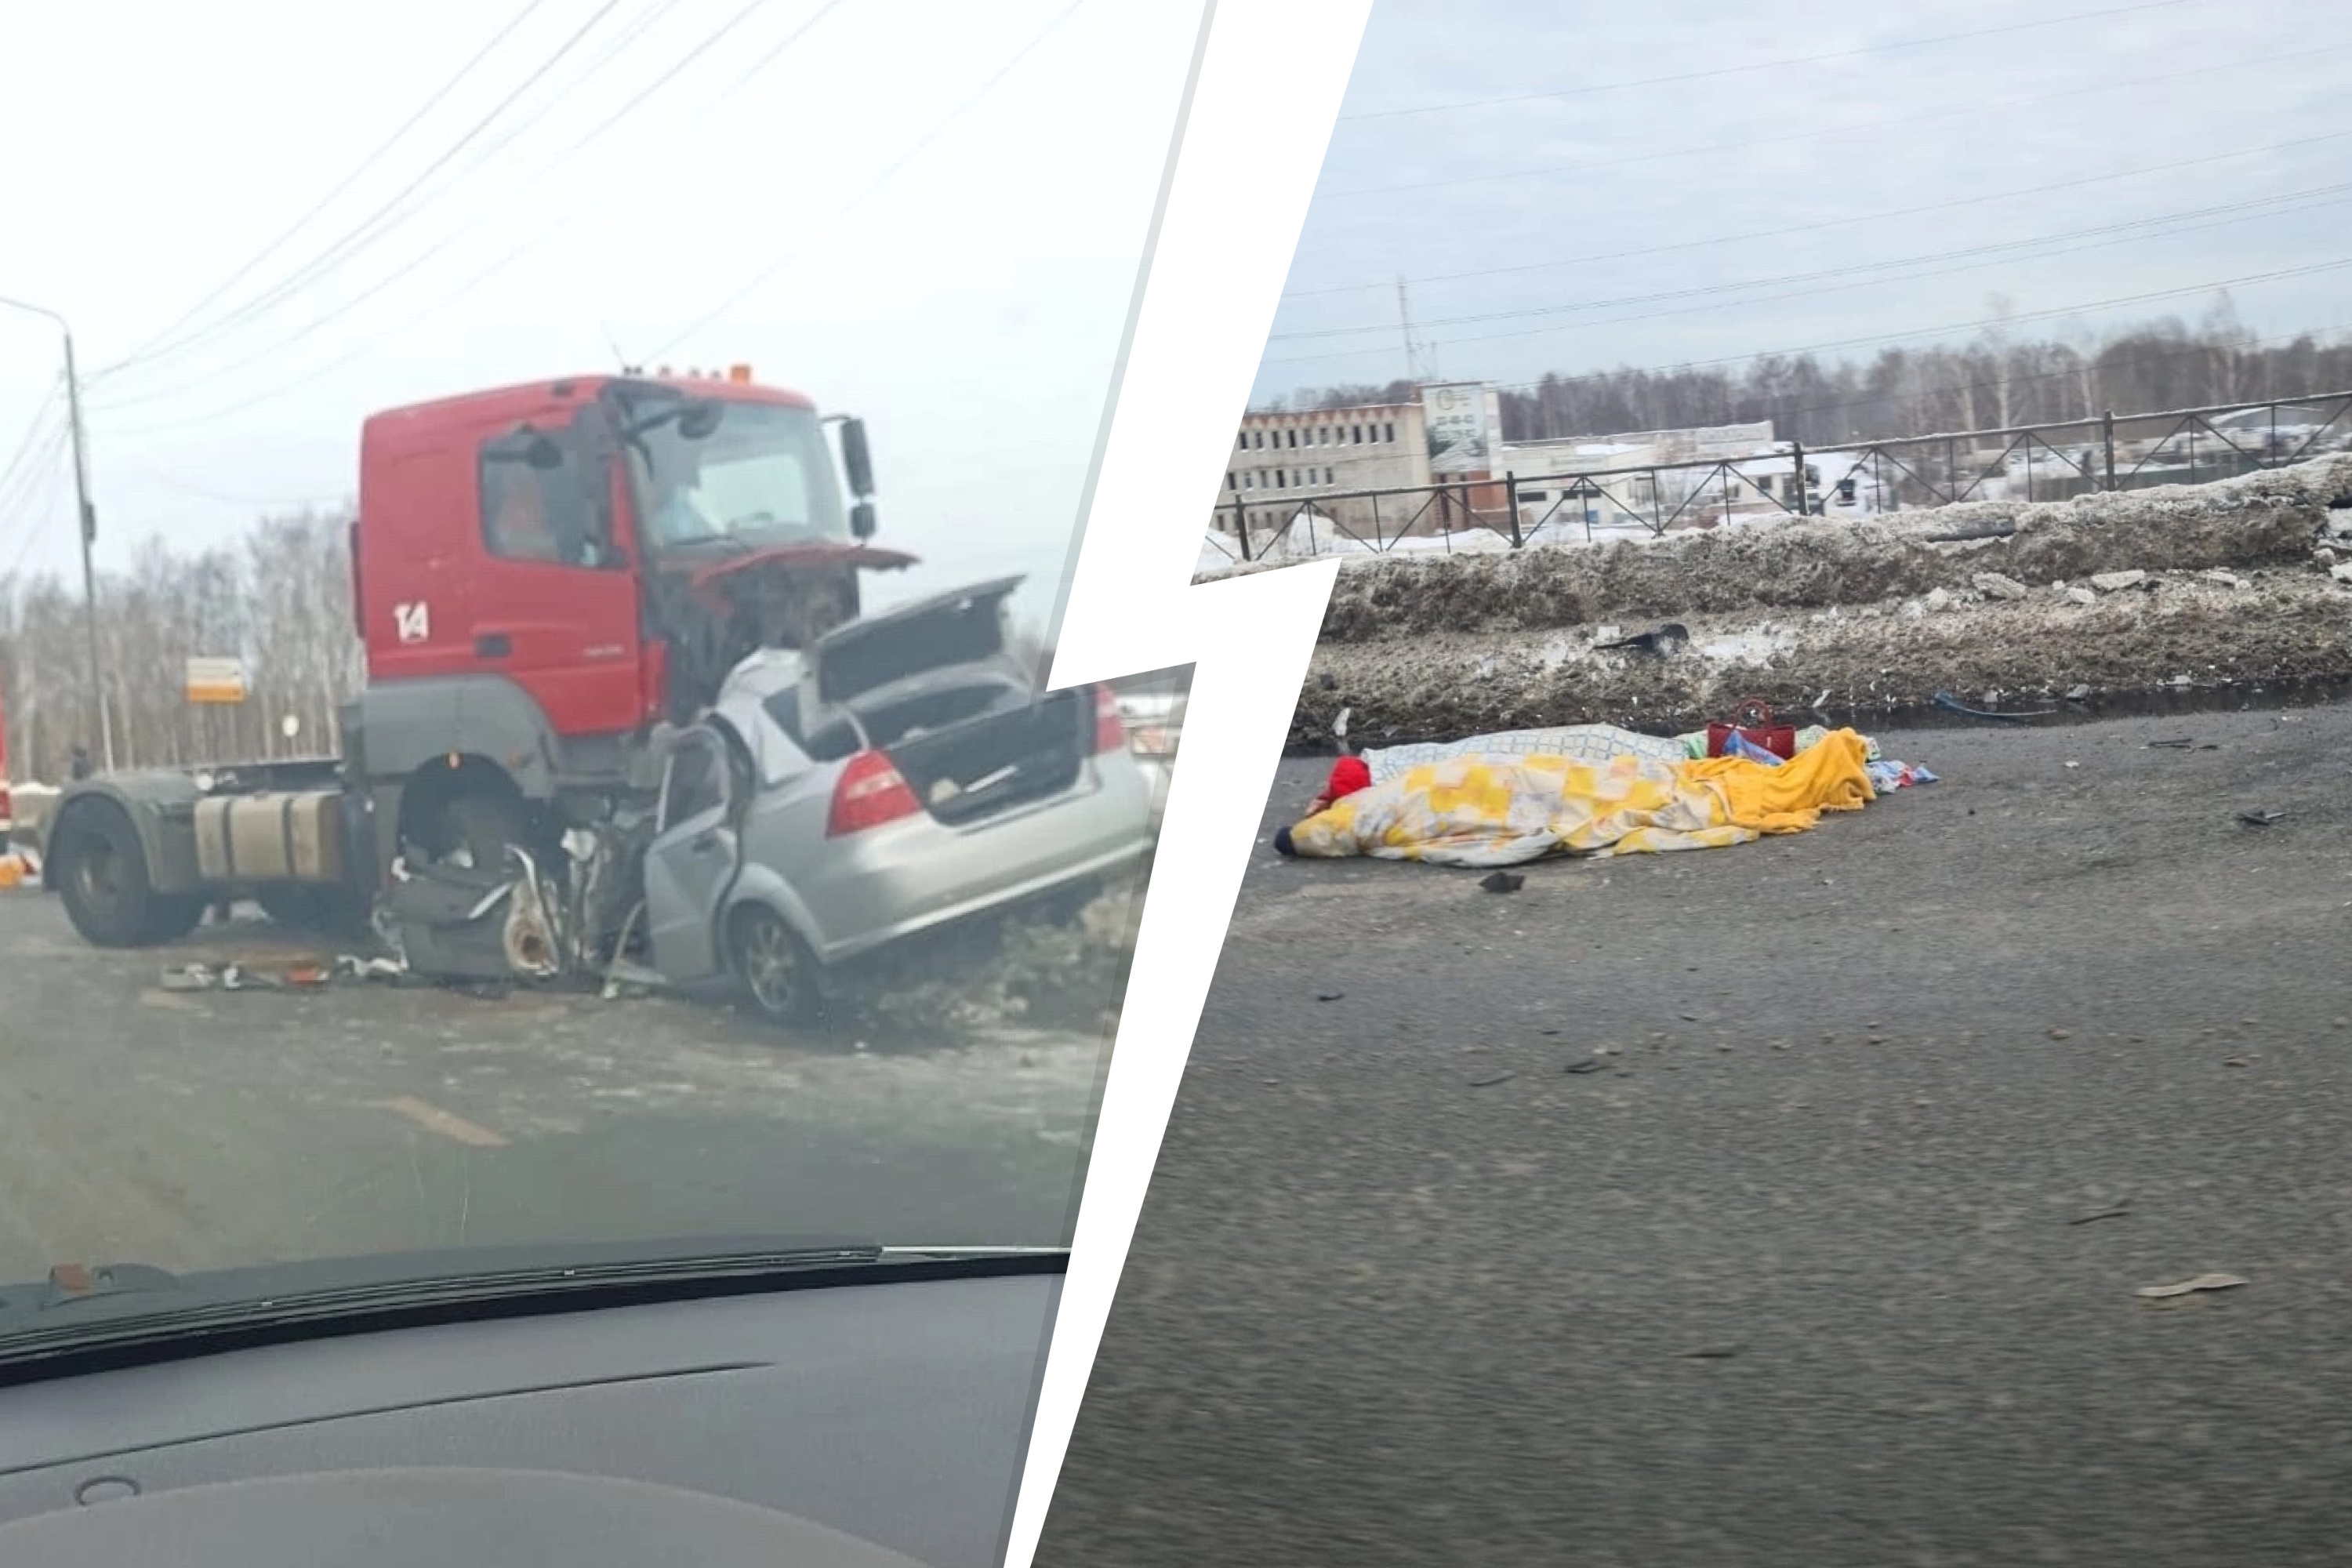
[765,476]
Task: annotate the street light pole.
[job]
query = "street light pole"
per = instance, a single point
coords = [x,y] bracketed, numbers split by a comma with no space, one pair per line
[85,524]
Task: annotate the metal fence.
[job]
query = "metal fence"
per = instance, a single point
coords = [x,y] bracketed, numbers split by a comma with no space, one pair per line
[2021,463]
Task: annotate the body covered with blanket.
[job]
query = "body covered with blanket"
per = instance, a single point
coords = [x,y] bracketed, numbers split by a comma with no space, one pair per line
[1487,809]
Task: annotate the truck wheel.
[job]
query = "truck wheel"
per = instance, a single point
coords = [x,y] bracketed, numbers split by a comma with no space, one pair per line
[99,868]
[781,976]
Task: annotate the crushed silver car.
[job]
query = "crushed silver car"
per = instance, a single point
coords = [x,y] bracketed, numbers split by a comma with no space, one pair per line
[902,773]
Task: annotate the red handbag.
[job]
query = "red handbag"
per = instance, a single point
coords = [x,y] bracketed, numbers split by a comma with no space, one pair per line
[1755,727]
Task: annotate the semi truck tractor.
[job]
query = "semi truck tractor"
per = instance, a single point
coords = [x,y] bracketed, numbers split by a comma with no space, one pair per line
[549,580]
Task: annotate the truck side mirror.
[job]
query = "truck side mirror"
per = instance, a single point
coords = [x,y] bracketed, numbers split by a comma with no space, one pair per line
[861,519]
[856,461]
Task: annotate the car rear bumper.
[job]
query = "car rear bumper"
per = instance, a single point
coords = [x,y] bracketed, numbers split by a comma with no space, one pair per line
[914,877]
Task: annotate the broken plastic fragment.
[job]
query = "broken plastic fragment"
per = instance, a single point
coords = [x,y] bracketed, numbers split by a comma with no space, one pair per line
[2202,1282]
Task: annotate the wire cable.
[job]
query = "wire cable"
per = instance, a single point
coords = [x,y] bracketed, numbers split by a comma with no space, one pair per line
[922,145]
[1386,285]
[347,182]
[47,409]
[537,238]
[1781,64]
[326,259]
[2125,231]
[1873,340]
[1742,144]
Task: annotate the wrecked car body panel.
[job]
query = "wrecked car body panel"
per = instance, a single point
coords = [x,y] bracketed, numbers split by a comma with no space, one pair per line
[900,774]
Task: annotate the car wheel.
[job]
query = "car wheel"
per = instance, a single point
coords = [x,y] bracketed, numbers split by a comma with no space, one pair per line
[779,973]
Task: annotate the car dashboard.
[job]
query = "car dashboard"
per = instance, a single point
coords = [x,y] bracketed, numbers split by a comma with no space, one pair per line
[832,1427]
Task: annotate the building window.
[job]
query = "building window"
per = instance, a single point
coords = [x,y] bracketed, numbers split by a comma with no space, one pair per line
[1257,438]
[1281,478]
[1359,431]
[1241,442]
[1294,436]
[1232,482]
[1391,434]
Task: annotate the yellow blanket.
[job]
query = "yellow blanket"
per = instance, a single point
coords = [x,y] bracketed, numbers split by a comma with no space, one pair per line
[1502,810]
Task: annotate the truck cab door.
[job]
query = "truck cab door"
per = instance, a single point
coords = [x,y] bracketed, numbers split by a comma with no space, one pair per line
[691,862]
[552,600]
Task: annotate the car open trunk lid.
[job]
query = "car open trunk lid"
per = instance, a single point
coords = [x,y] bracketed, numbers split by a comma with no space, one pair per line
[964,627]
[933,685]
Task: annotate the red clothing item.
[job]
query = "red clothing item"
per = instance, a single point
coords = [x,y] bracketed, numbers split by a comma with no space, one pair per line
[1349,775]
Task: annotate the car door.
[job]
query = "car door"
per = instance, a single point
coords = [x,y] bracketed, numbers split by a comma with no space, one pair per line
[691,861]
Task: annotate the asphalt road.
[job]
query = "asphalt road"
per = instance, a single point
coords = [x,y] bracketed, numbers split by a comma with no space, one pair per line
[215,1129]
[1809,1273]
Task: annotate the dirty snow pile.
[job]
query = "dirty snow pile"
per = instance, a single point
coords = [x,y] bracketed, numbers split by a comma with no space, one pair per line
[2248,580]
[1065,973]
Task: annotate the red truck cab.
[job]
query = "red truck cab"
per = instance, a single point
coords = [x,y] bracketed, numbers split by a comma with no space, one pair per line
[544,572]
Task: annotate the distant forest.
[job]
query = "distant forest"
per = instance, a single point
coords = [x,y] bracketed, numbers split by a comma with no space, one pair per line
[1999,381]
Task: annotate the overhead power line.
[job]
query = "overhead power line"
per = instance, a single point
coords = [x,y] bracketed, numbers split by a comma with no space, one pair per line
[326,259]
[1783,63]
[47,410]
[33,494]
[1743,142]
[346,183]
[1815,225]
[921,144]
[2123,231]
[1878,339]
[534,241]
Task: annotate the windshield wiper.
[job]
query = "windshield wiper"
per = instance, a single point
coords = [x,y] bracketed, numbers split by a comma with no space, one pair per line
[78,1309]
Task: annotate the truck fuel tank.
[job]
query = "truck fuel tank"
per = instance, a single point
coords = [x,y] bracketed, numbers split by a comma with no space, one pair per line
[294,836]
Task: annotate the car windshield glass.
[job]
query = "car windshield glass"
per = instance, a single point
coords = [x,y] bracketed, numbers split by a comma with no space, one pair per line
[764,476]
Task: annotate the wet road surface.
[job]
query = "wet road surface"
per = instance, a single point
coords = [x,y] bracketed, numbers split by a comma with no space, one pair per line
[196,1129]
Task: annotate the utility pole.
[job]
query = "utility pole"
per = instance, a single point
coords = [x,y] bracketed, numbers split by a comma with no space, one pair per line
[1404,320]
[85,524]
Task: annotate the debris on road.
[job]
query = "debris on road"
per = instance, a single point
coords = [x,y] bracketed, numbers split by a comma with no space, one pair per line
[1328,996]
[1589,1064]
[2189,1286]
[1492,1080]
[2259,818]
[1502,881]
[1713,1353]
[2119,1212]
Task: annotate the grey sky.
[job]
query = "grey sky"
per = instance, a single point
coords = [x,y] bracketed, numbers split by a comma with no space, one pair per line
[1534,193]
[969,305]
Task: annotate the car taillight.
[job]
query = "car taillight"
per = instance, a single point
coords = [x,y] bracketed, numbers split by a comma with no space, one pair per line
[870,793]
[1110,730]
